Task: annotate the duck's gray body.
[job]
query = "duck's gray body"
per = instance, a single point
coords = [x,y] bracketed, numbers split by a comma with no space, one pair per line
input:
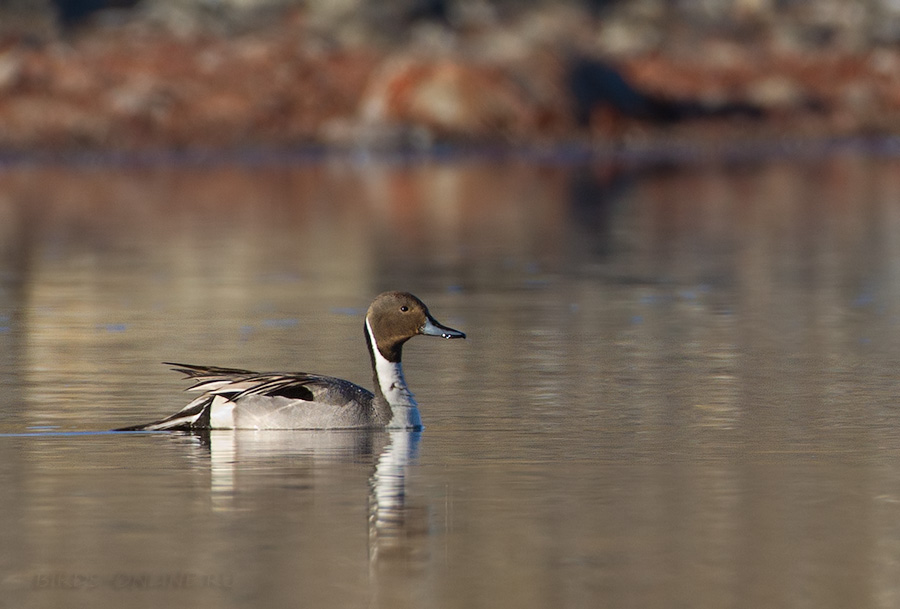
[232,398]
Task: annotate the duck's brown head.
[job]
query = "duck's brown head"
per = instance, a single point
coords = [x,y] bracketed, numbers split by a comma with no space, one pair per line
[395,317]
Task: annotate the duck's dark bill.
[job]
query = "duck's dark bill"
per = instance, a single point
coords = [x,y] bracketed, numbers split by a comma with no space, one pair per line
[433,328]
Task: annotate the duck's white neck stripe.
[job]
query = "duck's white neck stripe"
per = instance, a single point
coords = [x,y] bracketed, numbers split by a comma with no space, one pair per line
[390,379]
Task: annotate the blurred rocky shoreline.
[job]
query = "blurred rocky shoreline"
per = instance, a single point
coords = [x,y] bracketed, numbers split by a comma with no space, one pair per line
[412,74]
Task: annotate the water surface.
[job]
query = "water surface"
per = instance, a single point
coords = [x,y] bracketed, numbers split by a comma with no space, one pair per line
[678,387]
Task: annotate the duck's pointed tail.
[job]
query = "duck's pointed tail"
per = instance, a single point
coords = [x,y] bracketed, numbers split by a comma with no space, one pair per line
[193,416]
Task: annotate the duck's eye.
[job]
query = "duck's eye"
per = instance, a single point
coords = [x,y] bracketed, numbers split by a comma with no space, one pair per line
[404,308]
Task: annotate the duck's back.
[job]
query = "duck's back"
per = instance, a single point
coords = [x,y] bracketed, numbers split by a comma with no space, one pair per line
[328,403]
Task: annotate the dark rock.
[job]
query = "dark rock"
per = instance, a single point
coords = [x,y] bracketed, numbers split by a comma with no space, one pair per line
[71,13]
[595,84]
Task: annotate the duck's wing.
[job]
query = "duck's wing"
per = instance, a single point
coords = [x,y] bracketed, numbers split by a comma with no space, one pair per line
[230,384]
[235,382]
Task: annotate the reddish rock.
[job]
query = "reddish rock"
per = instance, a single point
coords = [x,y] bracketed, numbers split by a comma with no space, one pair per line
[450,99]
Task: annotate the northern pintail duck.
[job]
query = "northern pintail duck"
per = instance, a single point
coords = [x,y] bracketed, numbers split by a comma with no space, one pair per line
[240,399]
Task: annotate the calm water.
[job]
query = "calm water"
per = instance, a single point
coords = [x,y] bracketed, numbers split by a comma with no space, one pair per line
[679,388]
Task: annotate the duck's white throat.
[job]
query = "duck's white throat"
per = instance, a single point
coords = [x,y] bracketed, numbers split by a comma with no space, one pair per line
[393,386]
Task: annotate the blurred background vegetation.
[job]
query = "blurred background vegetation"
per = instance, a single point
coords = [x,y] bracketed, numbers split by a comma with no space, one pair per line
[127,74]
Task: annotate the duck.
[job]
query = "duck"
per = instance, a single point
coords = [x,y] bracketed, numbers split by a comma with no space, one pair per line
[233,398]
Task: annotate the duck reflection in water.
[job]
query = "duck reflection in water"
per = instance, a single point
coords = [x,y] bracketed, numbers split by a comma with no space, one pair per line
[397,525]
